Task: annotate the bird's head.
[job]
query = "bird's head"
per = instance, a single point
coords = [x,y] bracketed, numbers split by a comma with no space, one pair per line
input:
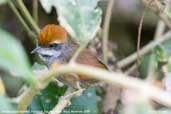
[51,40]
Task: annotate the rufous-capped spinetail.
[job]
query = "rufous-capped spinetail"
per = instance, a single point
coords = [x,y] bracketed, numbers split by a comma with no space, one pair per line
[54,47]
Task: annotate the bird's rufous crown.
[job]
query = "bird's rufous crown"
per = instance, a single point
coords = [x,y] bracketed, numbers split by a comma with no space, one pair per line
[52,33]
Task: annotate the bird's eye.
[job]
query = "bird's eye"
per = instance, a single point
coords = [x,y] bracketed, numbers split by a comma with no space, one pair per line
[46,56]
[54,45]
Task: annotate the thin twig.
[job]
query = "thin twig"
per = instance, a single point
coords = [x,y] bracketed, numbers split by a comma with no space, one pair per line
[27,16]
[105,31]
[139,37]
[126,61]
[31,34]
[76,54]
[35,10]
[26,99]
[65,100]
[131,69]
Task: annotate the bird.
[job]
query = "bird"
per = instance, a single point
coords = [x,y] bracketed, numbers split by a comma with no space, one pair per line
[54,47]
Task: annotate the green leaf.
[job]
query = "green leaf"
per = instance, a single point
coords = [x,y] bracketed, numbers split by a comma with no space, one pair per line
[13,58]
[83,104]
[148,64]
[6,105]
[81,18]
[37,66]
[3,1]
[47,5]
[12,84]
[163,55]
[47,98]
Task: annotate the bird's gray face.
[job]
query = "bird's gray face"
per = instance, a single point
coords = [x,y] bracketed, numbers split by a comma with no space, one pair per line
[49,53]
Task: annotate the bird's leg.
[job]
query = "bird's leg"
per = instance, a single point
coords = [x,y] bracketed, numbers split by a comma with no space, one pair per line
[78,85]
[59,83]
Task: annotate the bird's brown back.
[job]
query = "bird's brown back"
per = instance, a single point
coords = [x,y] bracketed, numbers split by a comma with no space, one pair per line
[87,57]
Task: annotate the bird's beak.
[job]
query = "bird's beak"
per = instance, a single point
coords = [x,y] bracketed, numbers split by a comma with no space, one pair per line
[36,50]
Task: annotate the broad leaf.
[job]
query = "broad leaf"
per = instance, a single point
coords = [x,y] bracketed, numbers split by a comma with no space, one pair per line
[148,64]
[46,99]
[81,18]
[13,57]
[37,66]
[83,104]
[3,1]
[6,106]
[12,84]
[157,60]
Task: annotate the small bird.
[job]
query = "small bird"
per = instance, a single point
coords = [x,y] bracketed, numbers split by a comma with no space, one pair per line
[54,47]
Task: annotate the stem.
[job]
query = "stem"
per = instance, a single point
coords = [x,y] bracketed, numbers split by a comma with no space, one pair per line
[139,37]
[115,78]
[76,54]
[159,30]
[65,100]
[23,23]
[165,20]
[118,79]
[35,10]
[131,69]
[106,30]
[26,99]
[126,61]
[27,16]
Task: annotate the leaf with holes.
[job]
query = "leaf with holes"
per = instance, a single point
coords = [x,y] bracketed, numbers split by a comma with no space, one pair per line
[81,18]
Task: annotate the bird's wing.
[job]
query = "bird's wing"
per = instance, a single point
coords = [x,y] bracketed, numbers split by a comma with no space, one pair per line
[88,58]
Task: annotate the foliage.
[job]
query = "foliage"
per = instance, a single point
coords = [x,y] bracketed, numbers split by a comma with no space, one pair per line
[15,60]
[81,18]
[3,1]
[6,105]
[85,103]
[46,99]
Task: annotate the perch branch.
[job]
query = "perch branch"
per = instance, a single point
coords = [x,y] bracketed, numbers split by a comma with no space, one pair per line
[115,78]
[26,99]
[119,79]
